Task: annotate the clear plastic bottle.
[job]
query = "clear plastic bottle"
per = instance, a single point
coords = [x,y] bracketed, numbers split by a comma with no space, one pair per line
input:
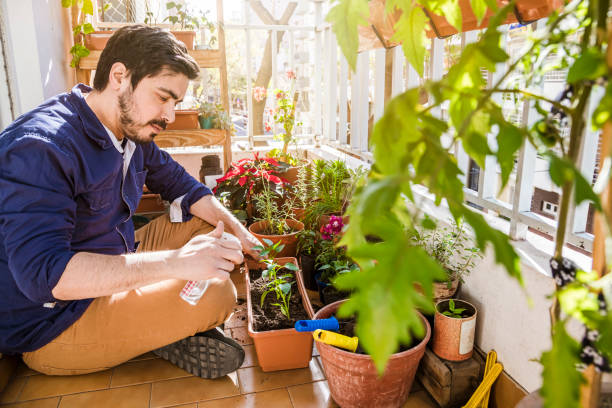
[193,291]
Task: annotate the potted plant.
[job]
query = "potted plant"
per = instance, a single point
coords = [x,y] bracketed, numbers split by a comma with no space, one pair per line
[353,377]
[276,299]
[303,192]
[453,249]
[454,328]
[275,222]
[246,178]
[184,119]
[188,22]
[333,185]
[327,274]
[306,250]
[213,116]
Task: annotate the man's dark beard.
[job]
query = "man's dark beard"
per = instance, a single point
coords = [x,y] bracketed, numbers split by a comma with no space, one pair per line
[128,125]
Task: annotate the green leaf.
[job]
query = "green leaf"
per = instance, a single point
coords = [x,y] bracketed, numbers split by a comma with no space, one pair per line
[508,144]
[560,379]
[67,3]
[410,32]
[561,171]
[88,7]
[267,242]
[504,251]
[88,28]
[479,7]
[345,18]
[170,5]
[285,287]
[291,266]
[589,65]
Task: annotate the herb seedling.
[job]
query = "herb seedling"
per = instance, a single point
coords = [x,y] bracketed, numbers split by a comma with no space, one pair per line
[280,285]
[455,313]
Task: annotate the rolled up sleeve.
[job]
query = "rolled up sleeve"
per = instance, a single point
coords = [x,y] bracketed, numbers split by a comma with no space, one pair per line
[37,213]
[169,179]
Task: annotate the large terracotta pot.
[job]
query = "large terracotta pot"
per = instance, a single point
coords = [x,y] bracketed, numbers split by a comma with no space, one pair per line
[185,119]
[353,379]
[453,338]
[97,40]
[187,37]
[281,349]
[289,240]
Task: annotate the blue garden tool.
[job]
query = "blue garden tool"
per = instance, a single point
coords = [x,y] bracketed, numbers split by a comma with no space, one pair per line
[312,325]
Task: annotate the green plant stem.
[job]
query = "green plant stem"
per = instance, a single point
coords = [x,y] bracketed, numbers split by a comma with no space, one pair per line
[531,95]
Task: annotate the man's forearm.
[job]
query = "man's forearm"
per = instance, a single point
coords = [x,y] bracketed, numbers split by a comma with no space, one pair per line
[212,211]
[89,275]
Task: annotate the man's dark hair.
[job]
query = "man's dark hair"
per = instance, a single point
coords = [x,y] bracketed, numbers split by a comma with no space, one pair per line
[144,51]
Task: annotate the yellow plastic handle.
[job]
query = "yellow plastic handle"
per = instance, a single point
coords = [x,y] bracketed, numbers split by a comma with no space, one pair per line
[335,339]
[484,386]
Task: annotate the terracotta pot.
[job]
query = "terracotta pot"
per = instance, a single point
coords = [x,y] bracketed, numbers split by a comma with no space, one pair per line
[353,379]
[97,40]
[187,37]
[291,174]
[289,240]
[184,120]
[280,349]
[453,338]
[299,214]
[526,10]
[441,291]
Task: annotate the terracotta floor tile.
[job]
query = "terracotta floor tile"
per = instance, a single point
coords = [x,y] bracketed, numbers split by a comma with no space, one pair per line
[313,395]
[254,380]
[250,357]
[420,400]
[41,386]
[12,390]
[41,403]
[136,396]
[192,389]
[267,399]
[24,371]
[241,335]
[144,371]
[145,356]
[192,405]
[239,318]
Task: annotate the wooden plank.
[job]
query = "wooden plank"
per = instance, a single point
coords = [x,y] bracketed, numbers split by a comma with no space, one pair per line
[196,137]
[204,58]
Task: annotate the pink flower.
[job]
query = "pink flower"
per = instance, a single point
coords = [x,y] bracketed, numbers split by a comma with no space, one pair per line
[291,74]
[267,127]
[259,93]
[280,94]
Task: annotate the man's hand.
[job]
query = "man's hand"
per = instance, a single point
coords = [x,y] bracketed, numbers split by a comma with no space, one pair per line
[249,241]
[208,256]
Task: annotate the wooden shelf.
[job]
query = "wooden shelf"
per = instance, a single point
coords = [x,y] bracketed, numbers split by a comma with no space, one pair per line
[204,58]
[195,137]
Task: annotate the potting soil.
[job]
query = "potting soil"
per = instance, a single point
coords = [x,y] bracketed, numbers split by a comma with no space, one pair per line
[270,317]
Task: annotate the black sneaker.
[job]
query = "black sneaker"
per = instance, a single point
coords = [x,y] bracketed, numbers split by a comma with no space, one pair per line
[209,354]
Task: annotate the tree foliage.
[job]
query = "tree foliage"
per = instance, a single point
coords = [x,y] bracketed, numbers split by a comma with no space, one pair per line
[410,146]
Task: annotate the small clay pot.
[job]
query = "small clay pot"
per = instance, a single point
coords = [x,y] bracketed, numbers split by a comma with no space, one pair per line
[186,119]
[187,37]
[97,40]
[289,240]
[442,291]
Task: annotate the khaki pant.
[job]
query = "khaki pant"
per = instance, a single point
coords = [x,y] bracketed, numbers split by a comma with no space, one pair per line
[122,326]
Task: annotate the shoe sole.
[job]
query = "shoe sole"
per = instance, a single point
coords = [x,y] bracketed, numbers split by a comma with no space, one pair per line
[204,357]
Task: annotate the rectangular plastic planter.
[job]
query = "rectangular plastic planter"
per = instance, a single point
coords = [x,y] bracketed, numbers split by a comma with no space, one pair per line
[282,349]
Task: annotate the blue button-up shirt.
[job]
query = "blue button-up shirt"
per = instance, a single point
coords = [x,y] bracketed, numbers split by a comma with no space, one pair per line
[62,191]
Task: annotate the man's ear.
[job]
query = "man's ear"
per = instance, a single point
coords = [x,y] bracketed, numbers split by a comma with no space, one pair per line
[119,77]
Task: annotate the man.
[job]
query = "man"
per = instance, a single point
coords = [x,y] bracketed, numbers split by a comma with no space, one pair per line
[80,291]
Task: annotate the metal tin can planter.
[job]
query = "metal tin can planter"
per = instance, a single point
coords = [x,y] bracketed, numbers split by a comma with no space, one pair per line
[453,338]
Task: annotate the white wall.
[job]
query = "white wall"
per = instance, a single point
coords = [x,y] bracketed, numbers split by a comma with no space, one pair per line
[37,64]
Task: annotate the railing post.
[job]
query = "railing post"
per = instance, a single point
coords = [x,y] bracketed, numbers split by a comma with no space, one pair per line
[318,74]
[249,97]
[342,126]
[379,83]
